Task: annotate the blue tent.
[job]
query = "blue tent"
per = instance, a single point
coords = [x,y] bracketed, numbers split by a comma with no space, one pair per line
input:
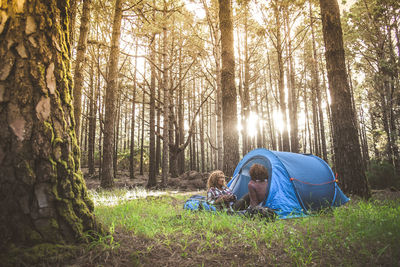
[297,183]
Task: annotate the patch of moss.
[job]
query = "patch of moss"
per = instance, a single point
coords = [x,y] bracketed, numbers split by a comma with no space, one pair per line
[48,130]
[66,211]
[45,254]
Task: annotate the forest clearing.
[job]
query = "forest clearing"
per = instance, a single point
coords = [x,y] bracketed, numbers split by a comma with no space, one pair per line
[113,113]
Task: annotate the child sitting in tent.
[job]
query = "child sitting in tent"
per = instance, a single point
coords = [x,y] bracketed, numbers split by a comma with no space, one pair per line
[257,188]
[218,193]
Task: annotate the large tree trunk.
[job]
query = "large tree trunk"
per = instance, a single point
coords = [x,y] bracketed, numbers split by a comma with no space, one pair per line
[229,105]
[79,63]
[346,144]
[43,195]
[107,180]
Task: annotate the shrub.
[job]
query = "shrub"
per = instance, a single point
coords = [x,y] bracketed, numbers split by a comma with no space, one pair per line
[381,175]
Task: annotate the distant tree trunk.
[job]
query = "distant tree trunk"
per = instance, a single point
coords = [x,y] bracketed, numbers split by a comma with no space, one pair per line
[101,124]
[243,131]
[152,142]
[132,144]
[80,60]
[269,108]
[364,141]
[116,135]
[133,119]
[213,135]
[282,94]
[374,134]
[317,89]
[158,143]
[43,195]
[259,112]
[307,122]
[346,145]
[292,90]
[246,89]
[107,180]
[142,138]
[202,148]
[181,121]
[92,121]
[328,107]
[229,105]
[165,148]
[72,18]
[315,120]
[173,168]
[193,136]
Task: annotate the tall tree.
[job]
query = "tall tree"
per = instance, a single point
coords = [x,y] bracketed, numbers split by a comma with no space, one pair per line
[276,5]
[347,150]
[229,105]
[111,90]
[43,194]
[152,143]
[166,89]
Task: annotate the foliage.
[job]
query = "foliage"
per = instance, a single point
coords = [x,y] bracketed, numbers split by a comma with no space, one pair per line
[381,175]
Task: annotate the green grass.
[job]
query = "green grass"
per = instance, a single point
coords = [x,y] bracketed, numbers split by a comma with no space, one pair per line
[358,234]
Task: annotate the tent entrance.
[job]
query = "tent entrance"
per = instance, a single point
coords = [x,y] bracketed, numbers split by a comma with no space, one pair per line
[242,178]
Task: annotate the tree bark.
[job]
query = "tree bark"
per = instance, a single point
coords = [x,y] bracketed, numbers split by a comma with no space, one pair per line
[346,144]
[43,195]
[229,105]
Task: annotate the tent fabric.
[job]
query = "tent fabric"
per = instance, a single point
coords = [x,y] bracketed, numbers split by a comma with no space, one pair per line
[297,184]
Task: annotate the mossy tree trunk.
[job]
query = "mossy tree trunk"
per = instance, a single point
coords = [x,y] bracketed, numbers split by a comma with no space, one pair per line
[43,195]
[229,104]
[347,150]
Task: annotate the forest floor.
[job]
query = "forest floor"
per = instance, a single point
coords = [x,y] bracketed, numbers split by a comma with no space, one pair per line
[187,182]
[140,250]
[153,230]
